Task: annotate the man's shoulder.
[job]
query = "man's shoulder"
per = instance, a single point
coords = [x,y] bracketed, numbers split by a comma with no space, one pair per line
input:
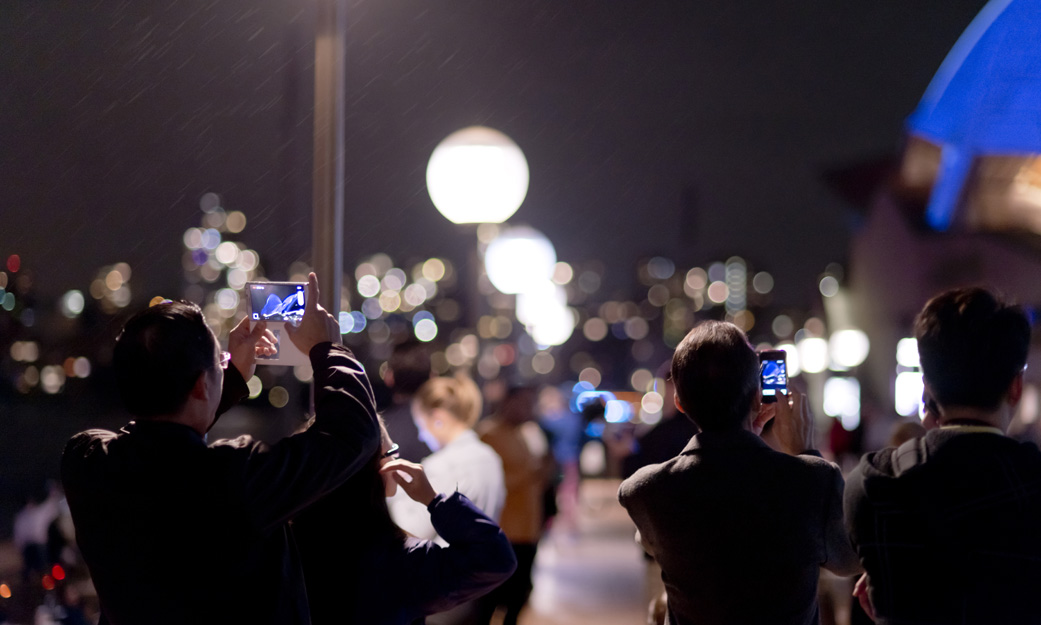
[648,478]
[233,451]
[87,437]
[87,443]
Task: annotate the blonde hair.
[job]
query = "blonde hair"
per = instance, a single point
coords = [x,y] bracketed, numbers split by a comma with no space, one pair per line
[458,396]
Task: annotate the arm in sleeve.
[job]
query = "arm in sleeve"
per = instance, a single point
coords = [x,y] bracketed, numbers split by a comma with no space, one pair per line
[629,498]
[281,480]
[839,556]
[411,516]
[478,557]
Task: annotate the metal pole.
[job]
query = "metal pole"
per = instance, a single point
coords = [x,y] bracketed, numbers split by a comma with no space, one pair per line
[329,94]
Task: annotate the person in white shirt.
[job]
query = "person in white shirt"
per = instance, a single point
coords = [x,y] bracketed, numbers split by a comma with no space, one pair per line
[445,411]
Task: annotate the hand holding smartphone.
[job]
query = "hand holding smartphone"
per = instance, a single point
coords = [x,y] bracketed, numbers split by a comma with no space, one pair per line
[773,373]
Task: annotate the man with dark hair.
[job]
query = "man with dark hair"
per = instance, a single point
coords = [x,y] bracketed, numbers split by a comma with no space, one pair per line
[947,525]
[177,531]
[740,530]
[407,370]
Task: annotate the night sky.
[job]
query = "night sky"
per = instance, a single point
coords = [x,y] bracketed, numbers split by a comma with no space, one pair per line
[694,130]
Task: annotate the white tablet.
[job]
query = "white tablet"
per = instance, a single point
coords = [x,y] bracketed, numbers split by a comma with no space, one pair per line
[276,303]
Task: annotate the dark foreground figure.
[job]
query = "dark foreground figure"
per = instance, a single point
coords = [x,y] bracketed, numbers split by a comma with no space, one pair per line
[949,526]
[175,530]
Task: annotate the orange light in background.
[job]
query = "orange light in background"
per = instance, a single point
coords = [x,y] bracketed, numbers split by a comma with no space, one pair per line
[57,572]
[14,263]
[47,582]
[5,591]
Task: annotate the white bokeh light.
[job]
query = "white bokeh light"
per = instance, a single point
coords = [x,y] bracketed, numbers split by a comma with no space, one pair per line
[813,355]
[849,348]
[907,352]
[520,259]
[842,400]
[908,393]
[477,175]
[792,361]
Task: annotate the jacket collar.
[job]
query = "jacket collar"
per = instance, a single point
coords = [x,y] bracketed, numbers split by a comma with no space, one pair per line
[162,429]
[725,439]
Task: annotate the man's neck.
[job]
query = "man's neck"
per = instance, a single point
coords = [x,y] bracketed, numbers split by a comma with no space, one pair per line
[183,417]
[964,415]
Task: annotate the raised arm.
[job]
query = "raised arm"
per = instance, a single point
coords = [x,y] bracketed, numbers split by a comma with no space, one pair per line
[282,479]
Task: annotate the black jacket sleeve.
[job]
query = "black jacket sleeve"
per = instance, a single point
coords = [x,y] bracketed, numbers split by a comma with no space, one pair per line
[478,557]
[279,480]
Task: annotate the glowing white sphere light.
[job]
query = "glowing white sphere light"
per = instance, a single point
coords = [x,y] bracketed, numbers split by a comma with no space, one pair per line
[477,175]
[520,259]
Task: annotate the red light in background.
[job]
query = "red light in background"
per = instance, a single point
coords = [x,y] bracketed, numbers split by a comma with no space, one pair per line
[57,572]
[47,582]
[505,354]
[14,263]
[5,591]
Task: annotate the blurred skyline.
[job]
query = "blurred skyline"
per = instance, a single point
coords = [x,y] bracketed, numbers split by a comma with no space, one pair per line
[693,131]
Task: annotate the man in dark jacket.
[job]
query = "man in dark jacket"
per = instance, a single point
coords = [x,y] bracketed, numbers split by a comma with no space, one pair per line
[740,530]
[947,525]
[177,531]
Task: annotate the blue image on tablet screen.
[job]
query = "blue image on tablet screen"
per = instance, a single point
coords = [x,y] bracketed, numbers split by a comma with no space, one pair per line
[774,376]
[278,302]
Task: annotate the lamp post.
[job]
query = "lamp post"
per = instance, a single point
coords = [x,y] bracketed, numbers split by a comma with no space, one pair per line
[330,52]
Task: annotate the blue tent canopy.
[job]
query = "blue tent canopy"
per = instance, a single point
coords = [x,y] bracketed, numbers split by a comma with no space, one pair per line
[985,98]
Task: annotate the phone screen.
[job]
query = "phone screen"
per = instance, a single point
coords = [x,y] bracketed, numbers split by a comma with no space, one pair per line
[276,301]
[773,375]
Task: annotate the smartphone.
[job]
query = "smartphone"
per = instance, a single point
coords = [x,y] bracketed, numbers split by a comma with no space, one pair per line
[278,303]
[773,373]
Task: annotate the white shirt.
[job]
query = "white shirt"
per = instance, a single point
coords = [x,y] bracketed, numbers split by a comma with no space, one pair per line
[465,464]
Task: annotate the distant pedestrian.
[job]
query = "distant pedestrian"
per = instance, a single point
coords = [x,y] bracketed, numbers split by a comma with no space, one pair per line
[31,523]
[515,436]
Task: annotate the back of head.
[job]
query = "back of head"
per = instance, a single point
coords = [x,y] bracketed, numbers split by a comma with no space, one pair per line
[972,345]
[159,355]
[410,365]
[716,373]
[459,396]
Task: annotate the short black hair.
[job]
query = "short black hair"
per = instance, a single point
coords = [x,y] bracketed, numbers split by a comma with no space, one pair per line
[159,355]
[971,345]
[716,373]
[410,363]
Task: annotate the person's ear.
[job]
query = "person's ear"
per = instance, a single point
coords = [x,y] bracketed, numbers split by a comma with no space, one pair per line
[676,401]
[200,390]
[1015,390]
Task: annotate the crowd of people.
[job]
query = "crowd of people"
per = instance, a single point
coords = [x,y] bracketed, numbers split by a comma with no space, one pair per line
[430,513]
[944,528]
